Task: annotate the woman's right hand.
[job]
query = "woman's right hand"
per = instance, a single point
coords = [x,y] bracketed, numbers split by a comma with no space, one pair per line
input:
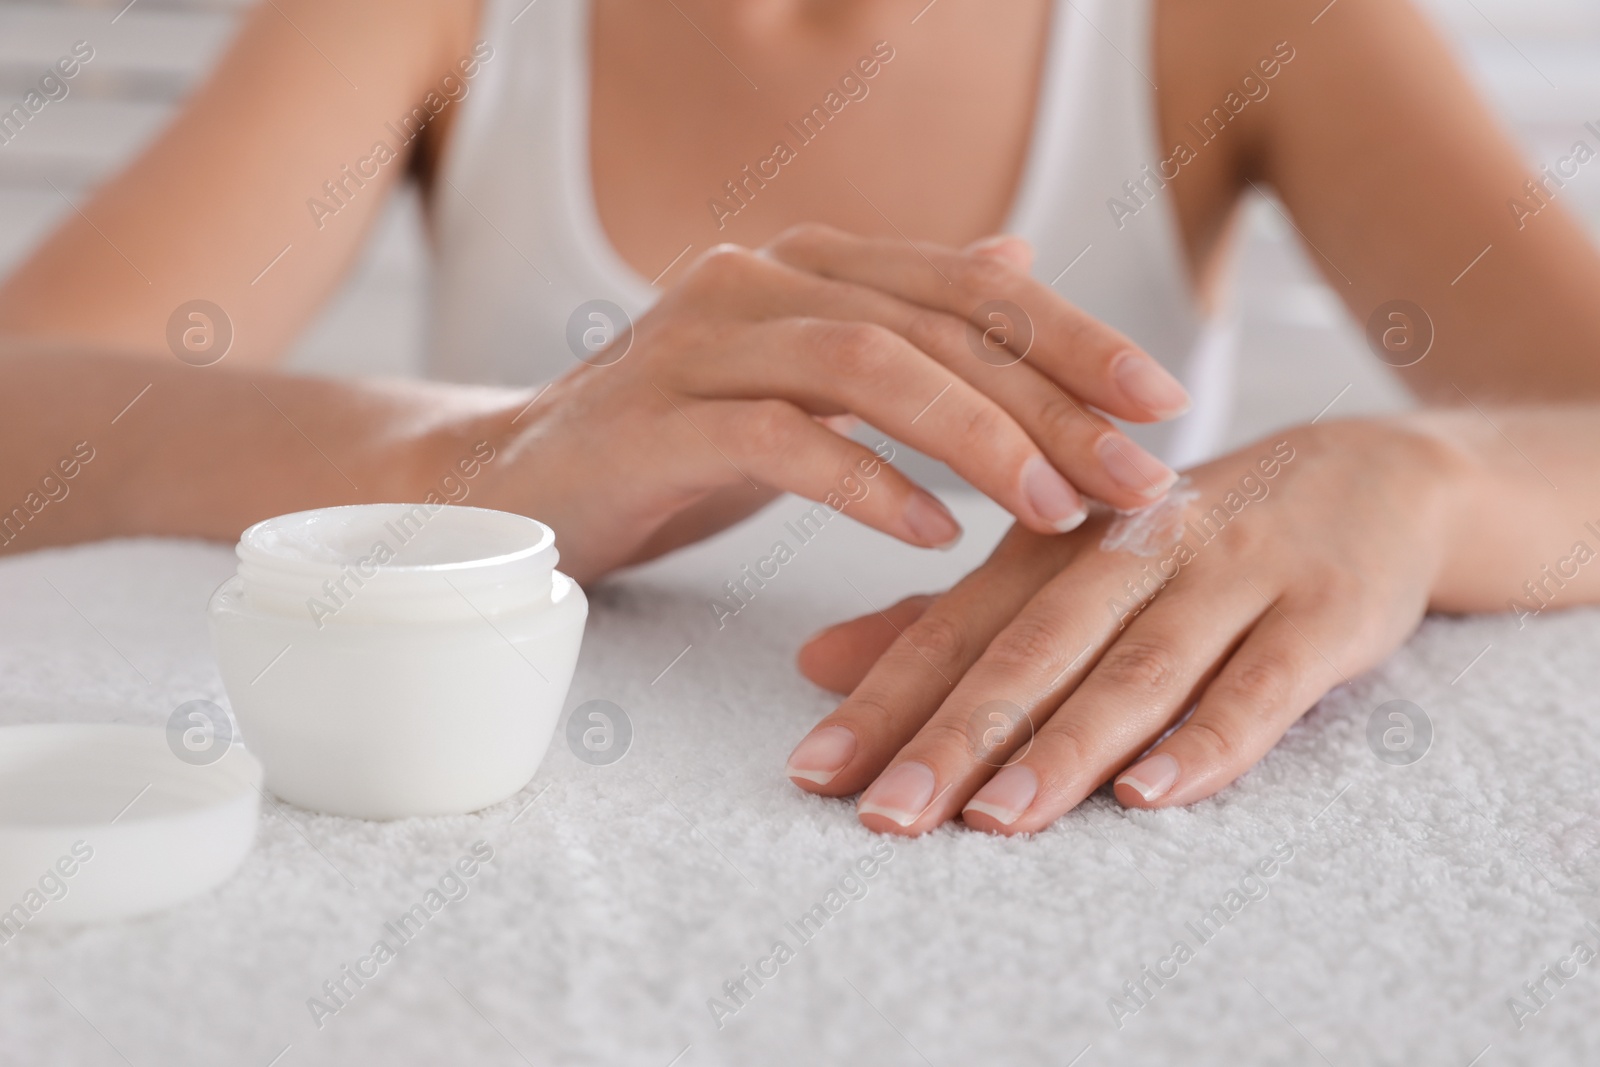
[715,403]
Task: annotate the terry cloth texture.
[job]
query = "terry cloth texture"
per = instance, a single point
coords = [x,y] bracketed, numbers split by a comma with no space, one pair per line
[1416,903]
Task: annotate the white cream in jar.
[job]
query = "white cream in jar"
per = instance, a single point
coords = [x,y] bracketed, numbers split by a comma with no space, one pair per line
[388,660]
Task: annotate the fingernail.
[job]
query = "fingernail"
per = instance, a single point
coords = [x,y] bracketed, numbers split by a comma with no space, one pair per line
[822,754]
[930,522]
[1132,467]
[1149,384]
[1056,502]
[902,794]
[1004,245]
[1150,778]
[985,244]
[1007,795]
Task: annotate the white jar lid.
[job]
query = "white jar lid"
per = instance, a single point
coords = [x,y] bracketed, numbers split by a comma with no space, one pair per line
[105,821]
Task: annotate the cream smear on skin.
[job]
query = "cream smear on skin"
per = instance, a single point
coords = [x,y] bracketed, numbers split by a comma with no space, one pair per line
[1155,529]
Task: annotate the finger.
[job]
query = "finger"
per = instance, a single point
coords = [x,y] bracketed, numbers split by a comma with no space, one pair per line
[1005,246]
[1082,354]
[880,376]
[838,657]
[1002,720]
[1143,683]
[908,383]
[843,425]
[848,748]
[1083,444]
[1274,679]
[775,444]
[1042,651]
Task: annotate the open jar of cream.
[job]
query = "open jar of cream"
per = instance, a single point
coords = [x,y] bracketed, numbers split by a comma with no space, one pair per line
[387,660]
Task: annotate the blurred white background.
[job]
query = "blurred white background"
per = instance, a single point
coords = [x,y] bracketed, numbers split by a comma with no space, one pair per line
[1538,61]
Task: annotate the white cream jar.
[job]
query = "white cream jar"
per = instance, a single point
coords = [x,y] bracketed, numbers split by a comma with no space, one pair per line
[388,660]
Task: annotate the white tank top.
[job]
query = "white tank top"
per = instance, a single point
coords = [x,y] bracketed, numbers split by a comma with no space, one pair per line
[519,244]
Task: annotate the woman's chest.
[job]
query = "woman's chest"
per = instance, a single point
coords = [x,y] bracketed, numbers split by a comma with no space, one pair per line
[699,135]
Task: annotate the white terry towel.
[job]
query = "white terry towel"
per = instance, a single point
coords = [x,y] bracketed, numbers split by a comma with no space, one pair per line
[1417,902]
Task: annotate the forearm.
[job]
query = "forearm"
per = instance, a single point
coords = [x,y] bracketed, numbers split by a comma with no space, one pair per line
[96,446]
[260,194]
[1525,527]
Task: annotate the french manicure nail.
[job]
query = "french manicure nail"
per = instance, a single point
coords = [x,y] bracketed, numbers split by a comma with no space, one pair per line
[1149,385]
[1151,778]
[901,795]
[1007,795]
[930,522]
[822,754]
[1132,467]
[1056,502]
[1005,246]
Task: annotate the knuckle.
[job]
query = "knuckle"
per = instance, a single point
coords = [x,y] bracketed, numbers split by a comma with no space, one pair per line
[1084,333]
[1060,419]
[1027,643]
[1221,749]
[982,276]
[1260,683]
[854,349]
[764,427]
[1059,751]
[931,330]
[1061,744]
[1339,587]
[1145,666]
[944,734]
[939,638]
[722,265]
[984,423]
[801,236]
[871,711]
[1244,538]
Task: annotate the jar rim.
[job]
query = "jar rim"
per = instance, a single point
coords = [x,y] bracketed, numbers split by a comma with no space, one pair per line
[271,543]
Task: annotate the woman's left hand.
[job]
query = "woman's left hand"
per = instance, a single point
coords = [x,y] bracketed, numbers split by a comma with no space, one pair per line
[1272,575]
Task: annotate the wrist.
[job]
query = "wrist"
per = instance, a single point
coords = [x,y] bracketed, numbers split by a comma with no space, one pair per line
[460,456]
[1461,489]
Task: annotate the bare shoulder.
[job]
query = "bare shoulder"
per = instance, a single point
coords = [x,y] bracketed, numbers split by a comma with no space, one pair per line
[1241,79]
[407,36]
[254,162]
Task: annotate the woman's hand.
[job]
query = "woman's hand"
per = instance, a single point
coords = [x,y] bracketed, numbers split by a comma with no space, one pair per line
[1272,575]
[716,399]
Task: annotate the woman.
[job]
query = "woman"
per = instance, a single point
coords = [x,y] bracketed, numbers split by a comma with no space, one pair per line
[574,154]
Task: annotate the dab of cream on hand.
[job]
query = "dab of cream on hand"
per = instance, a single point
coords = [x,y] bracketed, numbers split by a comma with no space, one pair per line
[1152,530]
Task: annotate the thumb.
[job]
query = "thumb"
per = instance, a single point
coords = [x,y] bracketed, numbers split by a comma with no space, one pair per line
[838,658]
